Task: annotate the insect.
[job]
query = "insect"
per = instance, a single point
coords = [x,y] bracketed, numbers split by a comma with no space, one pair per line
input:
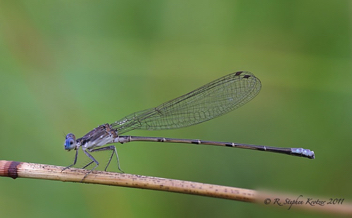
[207,102]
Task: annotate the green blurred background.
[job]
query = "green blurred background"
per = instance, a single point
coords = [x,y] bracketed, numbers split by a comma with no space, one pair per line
[69,66]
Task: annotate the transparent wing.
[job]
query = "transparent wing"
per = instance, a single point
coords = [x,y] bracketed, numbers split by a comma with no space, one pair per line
[207,102]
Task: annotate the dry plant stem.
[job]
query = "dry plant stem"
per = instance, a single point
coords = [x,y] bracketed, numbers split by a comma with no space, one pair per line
[50,172]
[41,171]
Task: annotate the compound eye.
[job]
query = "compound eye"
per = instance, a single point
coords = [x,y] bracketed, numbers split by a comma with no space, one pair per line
[70,142]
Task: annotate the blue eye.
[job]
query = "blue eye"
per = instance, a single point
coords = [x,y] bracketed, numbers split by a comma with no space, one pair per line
[70,142]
